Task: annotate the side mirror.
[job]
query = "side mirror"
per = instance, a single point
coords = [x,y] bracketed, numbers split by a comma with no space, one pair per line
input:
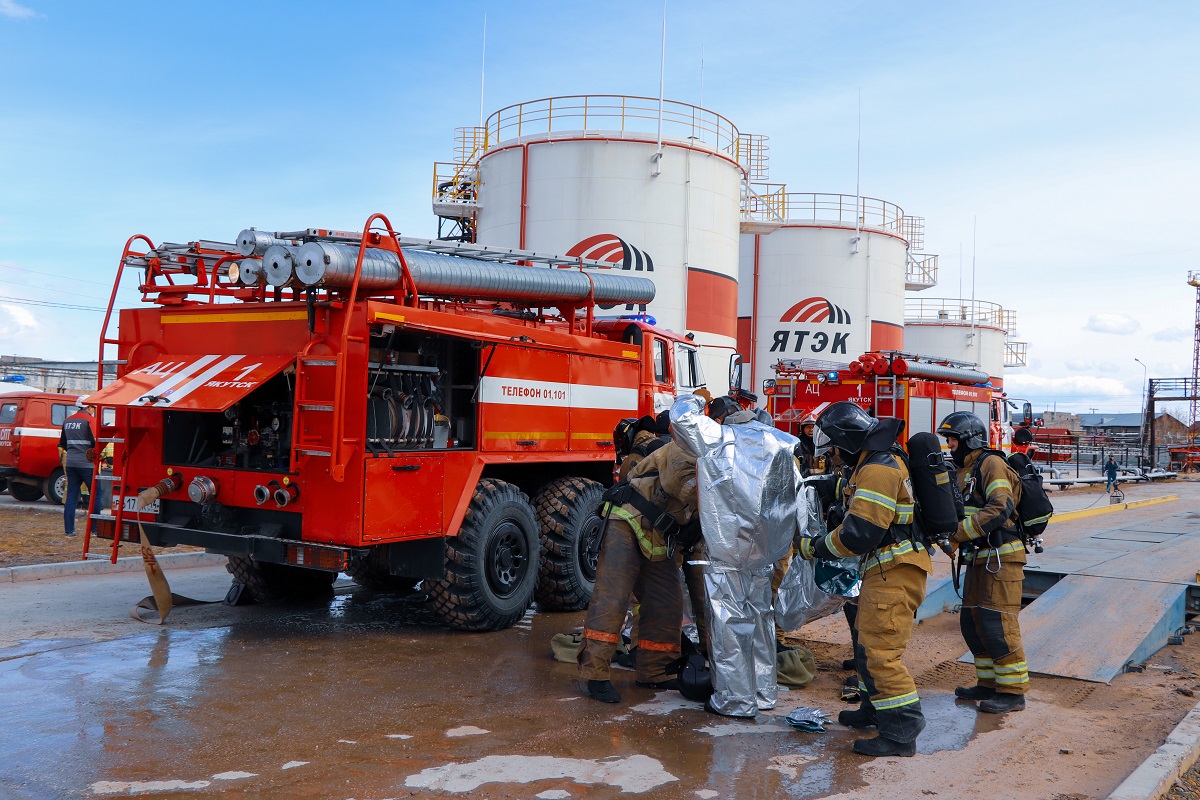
[735,371]
[1027,411]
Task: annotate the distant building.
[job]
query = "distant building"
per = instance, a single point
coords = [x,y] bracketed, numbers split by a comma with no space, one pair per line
[70,377]
[1128,427]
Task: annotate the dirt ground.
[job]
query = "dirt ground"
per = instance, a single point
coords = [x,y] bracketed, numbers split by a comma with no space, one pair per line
[35,536]
[1187,787]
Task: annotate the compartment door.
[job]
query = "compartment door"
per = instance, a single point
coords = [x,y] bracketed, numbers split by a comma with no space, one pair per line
[402,498]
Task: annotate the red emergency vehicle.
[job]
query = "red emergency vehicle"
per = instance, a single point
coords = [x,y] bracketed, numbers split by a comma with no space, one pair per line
[398,433]
[918,389]
[30,423]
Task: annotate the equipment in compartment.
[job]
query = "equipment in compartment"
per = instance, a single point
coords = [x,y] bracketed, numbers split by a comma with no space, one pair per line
[253,434]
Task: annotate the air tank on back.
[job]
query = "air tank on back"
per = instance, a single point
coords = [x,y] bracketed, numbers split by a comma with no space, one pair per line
[602,177]
[821,276]
[972,331]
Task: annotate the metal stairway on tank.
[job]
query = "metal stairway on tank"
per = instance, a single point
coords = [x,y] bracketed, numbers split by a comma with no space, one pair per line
[1107,601]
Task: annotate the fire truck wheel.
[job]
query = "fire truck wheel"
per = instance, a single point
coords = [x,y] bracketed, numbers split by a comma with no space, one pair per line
[273,583]
[491,566]
[568,514]
[24,492]
[55,487]
[372,572]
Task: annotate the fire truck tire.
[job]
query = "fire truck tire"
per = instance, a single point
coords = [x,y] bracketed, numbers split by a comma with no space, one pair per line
[568,514]
[24,492]
[371,571]
[55,487]
[274,583]
[491,565]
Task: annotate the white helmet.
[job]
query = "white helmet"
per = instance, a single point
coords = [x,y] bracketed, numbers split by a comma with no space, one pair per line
[81,402]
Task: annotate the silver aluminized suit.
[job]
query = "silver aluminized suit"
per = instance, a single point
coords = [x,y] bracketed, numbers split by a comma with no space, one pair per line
[749,510]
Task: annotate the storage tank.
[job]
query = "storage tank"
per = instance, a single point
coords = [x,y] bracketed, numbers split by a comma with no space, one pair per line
[821,276]
[974,331]
[603,177]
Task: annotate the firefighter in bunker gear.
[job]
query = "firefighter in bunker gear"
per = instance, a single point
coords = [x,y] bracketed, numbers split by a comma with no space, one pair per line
[991,547]
[894,564]
[638,555]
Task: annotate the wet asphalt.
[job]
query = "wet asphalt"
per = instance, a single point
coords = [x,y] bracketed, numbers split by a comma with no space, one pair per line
[364,696]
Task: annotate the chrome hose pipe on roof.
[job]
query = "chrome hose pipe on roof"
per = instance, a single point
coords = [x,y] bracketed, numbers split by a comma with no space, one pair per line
[917,369]
[251,242]
[332,265]
[279,264]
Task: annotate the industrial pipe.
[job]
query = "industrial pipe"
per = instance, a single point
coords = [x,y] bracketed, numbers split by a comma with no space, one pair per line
[279,264]
[919,369]
[251,242]
[326,264]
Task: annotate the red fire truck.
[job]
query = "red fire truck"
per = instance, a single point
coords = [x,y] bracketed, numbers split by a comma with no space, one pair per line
[918,389]
[398,409]
[30,423]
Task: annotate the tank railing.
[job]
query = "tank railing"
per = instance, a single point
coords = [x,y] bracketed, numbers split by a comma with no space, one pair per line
[921,270]
[913,231]
[765,201]
[842,209]
[965,311]
[612,113]
[456,184]
[754,154]
[1014,353]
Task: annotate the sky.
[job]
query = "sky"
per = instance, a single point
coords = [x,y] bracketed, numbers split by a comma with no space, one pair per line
[1054,145]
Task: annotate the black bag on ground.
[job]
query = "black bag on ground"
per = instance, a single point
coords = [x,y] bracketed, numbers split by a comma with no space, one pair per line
[695,679]
[939,503]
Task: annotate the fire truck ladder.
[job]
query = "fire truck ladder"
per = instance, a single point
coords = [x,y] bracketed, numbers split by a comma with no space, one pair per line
[108,433]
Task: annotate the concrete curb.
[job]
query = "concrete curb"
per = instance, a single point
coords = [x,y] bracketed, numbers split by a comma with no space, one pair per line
[1067,516]
[66,569]
[1158,773]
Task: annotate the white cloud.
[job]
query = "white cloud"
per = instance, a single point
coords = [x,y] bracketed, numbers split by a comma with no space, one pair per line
[1083,385]
[1172,334]
[1081,366]
[15,320]
[14,10]
[1107,366]
[1112,323]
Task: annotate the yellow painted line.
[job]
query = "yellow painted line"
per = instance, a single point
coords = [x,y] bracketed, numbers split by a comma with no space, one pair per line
[1067,516]
[525,435]
[629,353]
[389,317]
[251,316]
[591,436]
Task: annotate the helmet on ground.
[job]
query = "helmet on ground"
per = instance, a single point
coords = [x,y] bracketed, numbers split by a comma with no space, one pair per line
[843,425]
[722,406]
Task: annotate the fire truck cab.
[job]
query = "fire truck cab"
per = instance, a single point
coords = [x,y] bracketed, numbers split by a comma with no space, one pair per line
[30,424]
[461,440]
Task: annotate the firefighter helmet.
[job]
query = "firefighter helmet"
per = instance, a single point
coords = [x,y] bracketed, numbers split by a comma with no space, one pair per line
[843,425]
[967,428]
[722,406]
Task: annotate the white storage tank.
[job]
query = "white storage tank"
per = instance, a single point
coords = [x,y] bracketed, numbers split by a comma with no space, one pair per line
[586,176]
[973,331]
[818,280]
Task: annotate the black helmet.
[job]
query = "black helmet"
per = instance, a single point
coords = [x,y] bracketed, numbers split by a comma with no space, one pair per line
[843,425]
[722,406]
[623,435]
[968,429]
[662,423]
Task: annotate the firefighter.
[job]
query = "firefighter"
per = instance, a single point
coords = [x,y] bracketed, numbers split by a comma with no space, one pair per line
[806,454]
[878,528]
[647,515]
[635,439]
[751,507]
[76,443]
[991,547]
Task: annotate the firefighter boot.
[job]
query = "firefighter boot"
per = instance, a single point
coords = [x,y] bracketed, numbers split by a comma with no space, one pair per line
[861,717]
[974,692]
[880,747]
[603,691]
[1002,703]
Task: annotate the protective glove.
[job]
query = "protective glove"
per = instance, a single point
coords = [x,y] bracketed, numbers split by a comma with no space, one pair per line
[705,393]
[806,547]
[834,516]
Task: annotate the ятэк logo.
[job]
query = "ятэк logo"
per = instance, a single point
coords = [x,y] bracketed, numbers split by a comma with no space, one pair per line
[615,250]
[812,311]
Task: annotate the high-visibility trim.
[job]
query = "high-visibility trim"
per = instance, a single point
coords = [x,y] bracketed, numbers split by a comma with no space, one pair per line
[1015,546]
[649,548]
[888,703]
[973,530]
[984,674]
[1020,666]
[888,554]
[524,435]
[983,662]
[904,513]
[245,316]
[389,317]
[601,636]
[659,647]
[1037,520]
[831,543]
[877,498]
[996,484]
[1012,680]
[592,436]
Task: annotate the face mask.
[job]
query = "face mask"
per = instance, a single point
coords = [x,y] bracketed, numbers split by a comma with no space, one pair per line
[959,454]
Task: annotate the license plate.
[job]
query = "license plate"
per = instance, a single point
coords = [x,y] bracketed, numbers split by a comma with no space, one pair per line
[131,506]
